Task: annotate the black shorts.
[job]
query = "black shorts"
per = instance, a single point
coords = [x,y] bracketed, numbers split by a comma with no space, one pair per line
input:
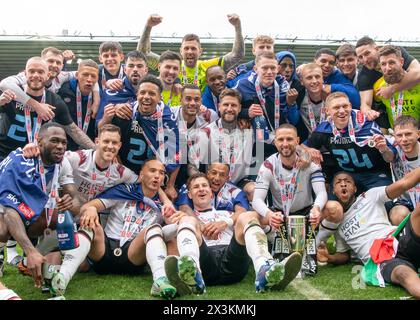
[408,253]
[110,263]
[302,212]
[398,202]
[224,264]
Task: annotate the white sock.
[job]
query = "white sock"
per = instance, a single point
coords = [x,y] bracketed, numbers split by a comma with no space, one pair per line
[11,250]
[187,243]
[156,252]
[326,229]
[73,258]
[256,246]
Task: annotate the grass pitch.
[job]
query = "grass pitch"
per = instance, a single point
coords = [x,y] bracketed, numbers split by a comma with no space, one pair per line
[331,283]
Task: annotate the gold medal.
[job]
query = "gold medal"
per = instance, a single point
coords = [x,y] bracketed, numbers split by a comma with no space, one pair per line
[117,252]
[372,143]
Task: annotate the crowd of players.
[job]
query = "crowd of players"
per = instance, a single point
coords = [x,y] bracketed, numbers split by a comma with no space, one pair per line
[194,173]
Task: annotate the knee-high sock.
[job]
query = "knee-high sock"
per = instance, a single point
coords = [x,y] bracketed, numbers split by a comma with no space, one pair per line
[187,242]
[73,258]
[326,229]
[156,252]
[256,246]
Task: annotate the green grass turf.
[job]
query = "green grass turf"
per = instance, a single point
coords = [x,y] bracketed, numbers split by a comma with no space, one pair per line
[335,282]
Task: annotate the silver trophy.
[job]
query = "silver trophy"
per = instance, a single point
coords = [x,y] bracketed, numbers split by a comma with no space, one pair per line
[296,230]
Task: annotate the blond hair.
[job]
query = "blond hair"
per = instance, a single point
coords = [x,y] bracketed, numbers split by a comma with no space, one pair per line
[262,39]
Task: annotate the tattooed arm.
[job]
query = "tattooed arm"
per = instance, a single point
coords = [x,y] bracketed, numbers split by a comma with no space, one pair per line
[144,44]
[238,50]
[16,228]
[70,192]
[79,136]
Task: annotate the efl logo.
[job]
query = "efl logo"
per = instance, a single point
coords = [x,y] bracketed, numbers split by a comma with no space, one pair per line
[27,212]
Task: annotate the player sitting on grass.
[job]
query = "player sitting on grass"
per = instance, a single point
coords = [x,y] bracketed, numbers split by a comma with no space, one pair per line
[132,236]
[390,254]
[224,258]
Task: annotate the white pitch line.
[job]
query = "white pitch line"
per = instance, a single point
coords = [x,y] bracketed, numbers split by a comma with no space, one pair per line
[309,291]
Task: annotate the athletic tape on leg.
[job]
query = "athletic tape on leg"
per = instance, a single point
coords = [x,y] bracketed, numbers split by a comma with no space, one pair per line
[188,226]
[155,230]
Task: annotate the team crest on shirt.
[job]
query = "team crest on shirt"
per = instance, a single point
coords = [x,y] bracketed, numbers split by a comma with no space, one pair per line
[67,100]
[60,218]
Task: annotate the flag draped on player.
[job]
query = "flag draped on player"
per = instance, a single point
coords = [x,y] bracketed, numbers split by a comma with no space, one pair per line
[23,190]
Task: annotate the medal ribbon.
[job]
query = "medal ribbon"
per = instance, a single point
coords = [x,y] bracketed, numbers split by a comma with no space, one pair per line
[28,122]
[351,130]
[219,197]
[79,110]
[53,195]
[276,102]
[287,190]
[312,119]
[227,154]
[120,75]
[398,112]
[192,149]
[170,96]
[160,154]
[413,192]
[215,102]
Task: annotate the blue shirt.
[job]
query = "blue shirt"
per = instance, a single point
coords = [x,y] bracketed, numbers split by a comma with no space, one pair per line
[126,95]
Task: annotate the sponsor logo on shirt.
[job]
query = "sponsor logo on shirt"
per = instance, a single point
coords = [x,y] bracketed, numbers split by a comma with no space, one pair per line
[12,198]
[26,211]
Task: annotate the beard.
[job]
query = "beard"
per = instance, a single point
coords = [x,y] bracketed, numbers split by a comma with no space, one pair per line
[395,77]
[36,85]
[287,153]
[232,120]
